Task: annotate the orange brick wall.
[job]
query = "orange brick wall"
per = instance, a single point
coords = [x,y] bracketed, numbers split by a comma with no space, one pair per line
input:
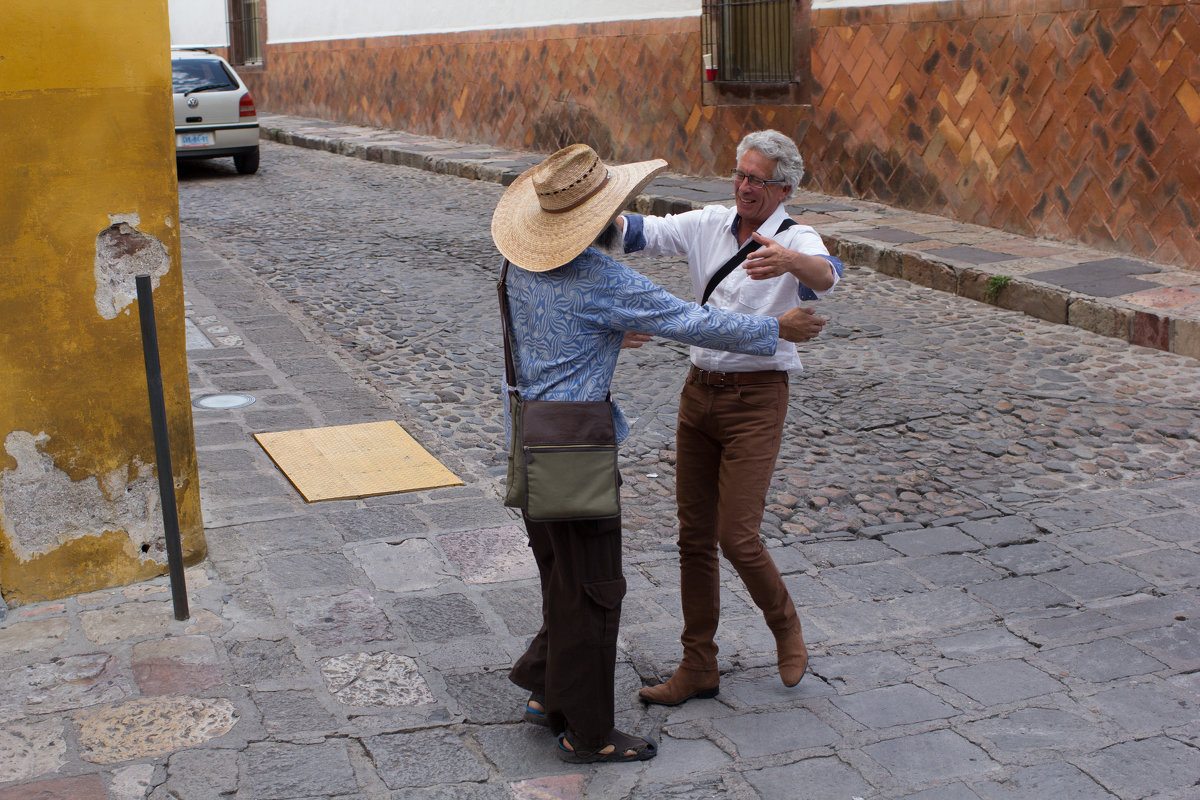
[1069,119]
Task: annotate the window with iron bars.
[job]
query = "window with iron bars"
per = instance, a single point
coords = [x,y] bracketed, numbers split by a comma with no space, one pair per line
[748,41]
[245,32]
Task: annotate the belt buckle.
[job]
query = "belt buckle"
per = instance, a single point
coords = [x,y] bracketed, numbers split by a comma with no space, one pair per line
[718,379]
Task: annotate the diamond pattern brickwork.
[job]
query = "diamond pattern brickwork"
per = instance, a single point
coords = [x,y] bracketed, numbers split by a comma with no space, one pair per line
[1069,119]
[1065,119]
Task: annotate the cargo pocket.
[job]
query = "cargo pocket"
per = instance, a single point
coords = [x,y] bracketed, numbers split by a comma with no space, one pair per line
[608,595]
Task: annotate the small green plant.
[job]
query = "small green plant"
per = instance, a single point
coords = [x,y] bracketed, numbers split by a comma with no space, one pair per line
[995,285]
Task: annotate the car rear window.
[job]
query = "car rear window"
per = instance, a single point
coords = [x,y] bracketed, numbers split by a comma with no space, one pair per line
[190,74]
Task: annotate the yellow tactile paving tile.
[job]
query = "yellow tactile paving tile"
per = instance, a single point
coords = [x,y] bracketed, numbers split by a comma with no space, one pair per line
[348,461]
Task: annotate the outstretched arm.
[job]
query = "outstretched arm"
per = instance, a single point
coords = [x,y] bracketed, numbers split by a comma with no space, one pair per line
[773,259]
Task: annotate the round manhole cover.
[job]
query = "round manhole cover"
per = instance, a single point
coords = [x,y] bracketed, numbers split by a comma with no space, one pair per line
[221,401]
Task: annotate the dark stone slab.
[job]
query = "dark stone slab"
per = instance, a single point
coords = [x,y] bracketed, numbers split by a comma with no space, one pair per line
[1063,628]
[258,660]
[1074,518]
[819,777]
[971,255]
[376,522]
[931,541]
[953,570]
[280,770]
[201,775]
[221,362]
[999,681]
[293,712]
[214,428]
[1029,559]
[1108,277]
[1105,660]
[928,757]
[863,670]
[873,581]
[487,697]
[1058,780]
[1015,594]
[1168,566]
[282,419]
[304,570]
[223,461]
[1182,528]
[839,553]
[347,618]
[1146,708]
[256,382]
[439,618]
[891,235]
[423,758]
[1177,645]
[1145,768]
[1036,729]
[465,513]
[894,705]
[999,531]
[762,734]
[1095,581]
[985,645]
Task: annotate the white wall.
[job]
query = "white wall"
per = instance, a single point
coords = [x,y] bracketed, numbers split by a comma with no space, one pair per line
[203,22]
[198,23]
[307,20]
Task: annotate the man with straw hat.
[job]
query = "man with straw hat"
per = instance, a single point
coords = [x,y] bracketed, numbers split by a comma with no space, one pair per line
[570,307]
[732,407]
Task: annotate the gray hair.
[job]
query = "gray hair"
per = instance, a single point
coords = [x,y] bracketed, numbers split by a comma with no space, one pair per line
[789,166]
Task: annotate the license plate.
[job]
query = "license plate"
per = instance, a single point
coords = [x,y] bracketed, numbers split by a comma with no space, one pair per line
[194,139]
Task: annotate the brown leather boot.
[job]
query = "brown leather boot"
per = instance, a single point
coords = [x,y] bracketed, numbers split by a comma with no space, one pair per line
[793,656]
[683,686]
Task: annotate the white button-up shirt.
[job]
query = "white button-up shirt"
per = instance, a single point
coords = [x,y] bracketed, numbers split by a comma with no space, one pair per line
[708,238]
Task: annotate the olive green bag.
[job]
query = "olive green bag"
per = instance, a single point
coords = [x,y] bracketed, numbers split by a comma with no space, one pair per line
[562,458]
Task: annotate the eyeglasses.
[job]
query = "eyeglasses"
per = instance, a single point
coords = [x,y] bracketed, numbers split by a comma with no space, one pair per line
[755,182]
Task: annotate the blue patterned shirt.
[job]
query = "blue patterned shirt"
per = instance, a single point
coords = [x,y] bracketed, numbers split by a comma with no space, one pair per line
[568,324]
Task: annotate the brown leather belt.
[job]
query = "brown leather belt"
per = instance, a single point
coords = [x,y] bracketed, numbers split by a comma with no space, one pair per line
[697,375]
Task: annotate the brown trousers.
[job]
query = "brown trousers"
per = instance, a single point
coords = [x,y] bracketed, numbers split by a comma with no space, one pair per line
[727,441]
[572,659]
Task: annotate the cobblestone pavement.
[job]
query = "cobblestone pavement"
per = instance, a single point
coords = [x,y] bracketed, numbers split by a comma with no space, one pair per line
[990,524]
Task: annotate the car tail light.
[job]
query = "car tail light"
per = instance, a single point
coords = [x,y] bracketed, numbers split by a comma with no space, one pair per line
[246,106]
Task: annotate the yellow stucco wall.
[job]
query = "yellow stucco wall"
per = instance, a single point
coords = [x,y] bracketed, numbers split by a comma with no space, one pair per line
[89,200]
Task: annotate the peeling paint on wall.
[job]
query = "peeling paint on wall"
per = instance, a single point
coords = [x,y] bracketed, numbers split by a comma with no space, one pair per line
[41,508]
[122,253]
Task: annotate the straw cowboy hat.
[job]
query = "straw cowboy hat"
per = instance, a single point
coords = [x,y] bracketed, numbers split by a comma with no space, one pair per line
[553,211]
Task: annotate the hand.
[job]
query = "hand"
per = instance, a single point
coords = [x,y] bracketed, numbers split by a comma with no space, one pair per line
[769,261]
[800,325]
[634,340]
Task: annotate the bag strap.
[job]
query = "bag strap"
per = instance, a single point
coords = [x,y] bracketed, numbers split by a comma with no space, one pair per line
[510,372]
[738,258]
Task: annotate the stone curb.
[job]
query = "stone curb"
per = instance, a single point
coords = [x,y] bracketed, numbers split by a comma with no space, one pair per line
[1110,317]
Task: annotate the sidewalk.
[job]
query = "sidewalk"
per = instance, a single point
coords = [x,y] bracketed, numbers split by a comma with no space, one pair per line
[1153,305]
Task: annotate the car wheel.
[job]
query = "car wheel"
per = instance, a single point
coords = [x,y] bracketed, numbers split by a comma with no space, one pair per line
[247,163]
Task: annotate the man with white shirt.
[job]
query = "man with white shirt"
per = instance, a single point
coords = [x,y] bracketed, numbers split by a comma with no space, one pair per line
[732,407]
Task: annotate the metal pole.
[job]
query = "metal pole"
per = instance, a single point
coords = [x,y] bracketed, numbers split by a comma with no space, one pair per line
[162,445]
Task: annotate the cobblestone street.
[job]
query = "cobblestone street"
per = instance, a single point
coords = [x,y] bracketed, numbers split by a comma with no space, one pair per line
[990,525]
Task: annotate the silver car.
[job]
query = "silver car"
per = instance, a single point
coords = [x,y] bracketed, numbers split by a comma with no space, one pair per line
[214,112]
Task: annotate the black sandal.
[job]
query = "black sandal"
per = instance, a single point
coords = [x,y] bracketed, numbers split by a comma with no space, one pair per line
[536,716]
[625,748]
